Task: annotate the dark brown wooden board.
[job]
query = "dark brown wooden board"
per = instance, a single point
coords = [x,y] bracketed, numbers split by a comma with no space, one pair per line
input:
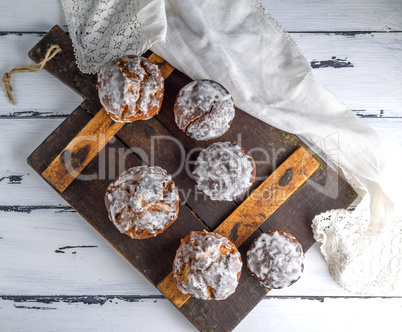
[152,141]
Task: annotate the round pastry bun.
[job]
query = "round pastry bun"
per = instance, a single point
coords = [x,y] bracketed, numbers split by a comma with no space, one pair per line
[224,171]
[142,202]
[276,259]
[207,266]
[130,88]
[204,110]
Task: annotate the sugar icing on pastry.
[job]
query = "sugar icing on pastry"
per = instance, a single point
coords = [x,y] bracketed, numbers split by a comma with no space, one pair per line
[276,258]
[207,266]
[204,109]
[224,171]
[142,201]
[130,88]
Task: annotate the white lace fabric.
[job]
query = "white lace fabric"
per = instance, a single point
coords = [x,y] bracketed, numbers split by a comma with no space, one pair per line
[358,261]
[238,44]
[102,30]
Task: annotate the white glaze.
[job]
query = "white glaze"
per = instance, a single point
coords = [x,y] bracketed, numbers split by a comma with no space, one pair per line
[207,266]
[204,109]
[224,171]
[137,196]
[276,260]
[136,90]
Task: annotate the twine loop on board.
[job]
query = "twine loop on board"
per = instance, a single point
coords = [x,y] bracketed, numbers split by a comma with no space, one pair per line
[50,54]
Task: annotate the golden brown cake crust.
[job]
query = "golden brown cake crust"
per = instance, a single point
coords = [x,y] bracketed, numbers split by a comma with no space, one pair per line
[142,202]
[130,88]
[207,266]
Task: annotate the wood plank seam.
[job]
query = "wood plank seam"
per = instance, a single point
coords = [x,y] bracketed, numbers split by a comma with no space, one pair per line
[144,256]
[87,104]
[87,144]
[81,150]
[256,209]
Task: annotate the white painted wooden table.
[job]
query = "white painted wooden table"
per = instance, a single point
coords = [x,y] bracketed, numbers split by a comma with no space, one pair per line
[58,274]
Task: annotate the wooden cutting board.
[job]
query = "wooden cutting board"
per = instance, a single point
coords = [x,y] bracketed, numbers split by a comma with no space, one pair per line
[291,186]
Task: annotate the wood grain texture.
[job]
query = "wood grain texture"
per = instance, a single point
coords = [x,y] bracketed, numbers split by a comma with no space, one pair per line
[140,253]
[165,68]
[153,257]
[256,209]
[113,156]
[64,65]
[37,222]
[19,137]
[169,289]
[31,90]
[81,150]
[374,58]
[105,313]
[161,146]
[99,130]
[370,87]
[85,263]
[293,15]
[268,197]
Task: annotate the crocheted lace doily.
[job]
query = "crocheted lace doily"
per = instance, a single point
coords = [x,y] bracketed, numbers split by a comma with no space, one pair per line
[105,29]
[358,261]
